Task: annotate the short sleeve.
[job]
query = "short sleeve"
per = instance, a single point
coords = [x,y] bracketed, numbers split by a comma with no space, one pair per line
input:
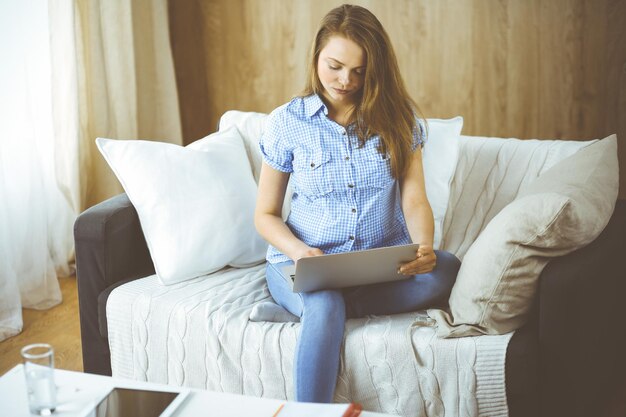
[419,134]
[274,146]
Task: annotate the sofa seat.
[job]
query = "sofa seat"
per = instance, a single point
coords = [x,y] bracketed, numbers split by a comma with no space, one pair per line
[198,334]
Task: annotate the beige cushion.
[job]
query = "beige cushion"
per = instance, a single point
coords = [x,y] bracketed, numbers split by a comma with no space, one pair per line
[563,210]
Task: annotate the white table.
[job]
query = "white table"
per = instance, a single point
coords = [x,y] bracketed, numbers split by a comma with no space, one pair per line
[76,390]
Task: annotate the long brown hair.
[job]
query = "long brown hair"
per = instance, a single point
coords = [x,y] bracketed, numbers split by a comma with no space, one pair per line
[385,107]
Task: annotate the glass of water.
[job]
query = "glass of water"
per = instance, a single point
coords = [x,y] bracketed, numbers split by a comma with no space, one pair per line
[39,371]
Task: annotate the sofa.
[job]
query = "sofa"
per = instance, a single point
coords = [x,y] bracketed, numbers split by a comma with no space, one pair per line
[172,290]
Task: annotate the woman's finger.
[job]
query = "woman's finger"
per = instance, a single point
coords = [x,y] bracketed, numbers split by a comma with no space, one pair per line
[420,266]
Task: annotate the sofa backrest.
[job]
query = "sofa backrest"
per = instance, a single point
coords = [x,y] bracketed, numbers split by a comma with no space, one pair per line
[488,176]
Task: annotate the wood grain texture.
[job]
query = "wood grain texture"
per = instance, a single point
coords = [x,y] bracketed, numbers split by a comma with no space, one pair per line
[59,326]
[547,69]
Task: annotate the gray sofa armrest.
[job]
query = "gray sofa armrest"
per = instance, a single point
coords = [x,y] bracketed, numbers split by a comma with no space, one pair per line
[110,250]
[581,329]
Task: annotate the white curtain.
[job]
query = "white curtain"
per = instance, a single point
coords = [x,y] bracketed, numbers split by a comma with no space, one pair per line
[70,71]
[113,76]
[35,218]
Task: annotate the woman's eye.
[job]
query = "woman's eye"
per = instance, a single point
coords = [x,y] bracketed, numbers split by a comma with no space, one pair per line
[333,68]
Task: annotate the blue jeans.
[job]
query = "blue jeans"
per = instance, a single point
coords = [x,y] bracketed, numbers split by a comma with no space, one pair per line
[323,315]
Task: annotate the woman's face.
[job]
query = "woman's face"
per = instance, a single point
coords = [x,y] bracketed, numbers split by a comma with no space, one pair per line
[341,70]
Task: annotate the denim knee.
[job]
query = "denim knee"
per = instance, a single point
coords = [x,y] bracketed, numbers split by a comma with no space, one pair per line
[448,261]
[447,268]
[325,305]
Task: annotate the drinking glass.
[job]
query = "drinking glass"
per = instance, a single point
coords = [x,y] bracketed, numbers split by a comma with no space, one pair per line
[39,371]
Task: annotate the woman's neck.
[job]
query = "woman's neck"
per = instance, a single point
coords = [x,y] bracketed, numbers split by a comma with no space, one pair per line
[342,114]
[343,117]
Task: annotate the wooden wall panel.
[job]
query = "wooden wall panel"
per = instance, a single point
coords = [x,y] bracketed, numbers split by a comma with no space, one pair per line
[547,69]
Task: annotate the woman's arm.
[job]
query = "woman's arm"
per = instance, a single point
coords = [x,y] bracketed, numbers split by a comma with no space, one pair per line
[418,216]
[268,215]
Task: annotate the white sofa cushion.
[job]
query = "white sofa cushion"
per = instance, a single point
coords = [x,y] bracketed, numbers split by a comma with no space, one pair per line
[441,153]
[562,210]
[195,206]
[439,159]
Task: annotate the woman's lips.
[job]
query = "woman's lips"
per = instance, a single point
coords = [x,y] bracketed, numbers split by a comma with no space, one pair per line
[338,91]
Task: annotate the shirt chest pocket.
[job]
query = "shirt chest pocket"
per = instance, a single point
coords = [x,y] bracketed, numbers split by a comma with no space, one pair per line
[312,173]
[376,170]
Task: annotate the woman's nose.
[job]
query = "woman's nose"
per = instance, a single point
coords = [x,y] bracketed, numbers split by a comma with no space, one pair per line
[344,78]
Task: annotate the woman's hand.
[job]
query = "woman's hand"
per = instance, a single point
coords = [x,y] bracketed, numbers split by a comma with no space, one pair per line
[307,252]
[425,261]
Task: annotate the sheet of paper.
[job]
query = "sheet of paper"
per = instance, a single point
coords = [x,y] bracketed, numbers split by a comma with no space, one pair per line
[295,409]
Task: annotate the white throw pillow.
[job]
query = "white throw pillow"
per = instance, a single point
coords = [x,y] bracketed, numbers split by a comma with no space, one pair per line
[564,209]
[196,207]
[440,156]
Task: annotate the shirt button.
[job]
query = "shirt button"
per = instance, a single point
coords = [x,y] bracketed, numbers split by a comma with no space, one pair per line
[351,237]
[312,164]
[350,185]
[347,158]
[354,210]
[343,132]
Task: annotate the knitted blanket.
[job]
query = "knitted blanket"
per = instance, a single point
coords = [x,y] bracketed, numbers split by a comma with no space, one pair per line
[198,334]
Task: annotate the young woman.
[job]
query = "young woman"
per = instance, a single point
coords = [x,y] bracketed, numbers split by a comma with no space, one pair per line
[352,144]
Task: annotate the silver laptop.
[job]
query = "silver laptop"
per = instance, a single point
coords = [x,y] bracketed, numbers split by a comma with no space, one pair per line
[349,269]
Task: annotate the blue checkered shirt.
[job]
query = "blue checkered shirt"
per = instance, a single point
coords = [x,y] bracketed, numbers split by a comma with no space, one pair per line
[344,198]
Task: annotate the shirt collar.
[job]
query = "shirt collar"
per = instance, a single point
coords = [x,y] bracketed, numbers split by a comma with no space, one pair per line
[313,104]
